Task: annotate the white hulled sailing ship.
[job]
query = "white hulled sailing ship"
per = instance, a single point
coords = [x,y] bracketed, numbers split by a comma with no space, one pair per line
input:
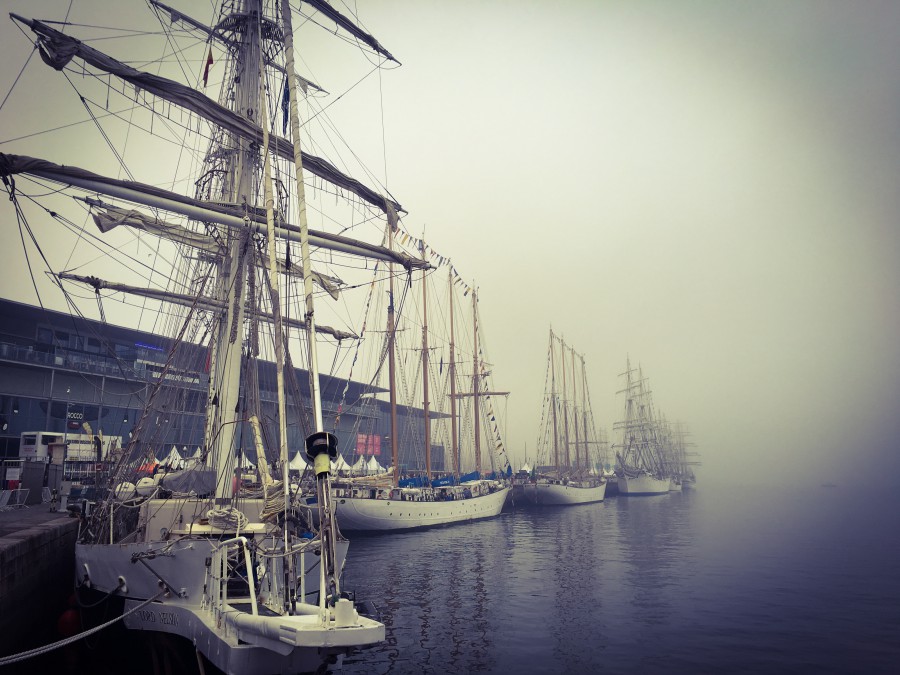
[567,424]
[640,466]
[251,578]
[681,460]
[391,503]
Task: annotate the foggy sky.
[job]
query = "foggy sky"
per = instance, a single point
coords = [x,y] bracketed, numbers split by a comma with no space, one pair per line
[708,188]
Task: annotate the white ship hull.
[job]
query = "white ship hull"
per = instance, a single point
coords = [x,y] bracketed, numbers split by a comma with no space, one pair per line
[643,485]
[553,494]
[362,514]
[249,644]
[674,485]
[193,599]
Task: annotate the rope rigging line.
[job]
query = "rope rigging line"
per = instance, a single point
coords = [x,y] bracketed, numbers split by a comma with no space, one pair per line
[68,296]
[22,656]
[100,129]
[16,81]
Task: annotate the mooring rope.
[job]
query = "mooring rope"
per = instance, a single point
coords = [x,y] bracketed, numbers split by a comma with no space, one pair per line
[15,658]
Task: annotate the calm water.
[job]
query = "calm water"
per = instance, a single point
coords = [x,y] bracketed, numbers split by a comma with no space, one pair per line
[717,580]
[736,580]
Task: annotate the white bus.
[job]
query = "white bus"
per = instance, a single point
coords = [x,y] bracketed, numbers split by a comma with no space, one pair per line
[80,455]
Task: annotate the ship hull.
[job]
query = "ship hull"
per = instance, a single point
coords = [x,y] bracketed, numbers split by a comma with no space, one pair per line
[359,514]
[254,644]
[553,494]
[643,485]
[169,586]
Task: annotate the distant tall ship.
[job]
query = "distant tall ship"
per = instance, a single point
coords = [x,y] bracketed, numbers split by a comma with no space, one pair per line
[640,461]
[567,435]
[679,459]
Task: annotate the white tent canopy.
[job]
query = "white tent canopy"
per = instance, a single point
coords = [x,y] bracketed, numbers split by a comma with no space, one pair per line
[173,459]
[340,464]
[359,466]
[298,463]
[373,466]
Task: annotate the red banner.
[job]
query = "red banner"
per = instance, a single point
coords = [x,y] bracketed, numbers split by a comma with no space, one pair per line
[367,444]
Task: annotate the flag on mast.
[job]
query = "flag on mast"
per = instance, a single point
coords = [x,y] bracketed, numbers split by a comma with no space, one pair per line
[209,62]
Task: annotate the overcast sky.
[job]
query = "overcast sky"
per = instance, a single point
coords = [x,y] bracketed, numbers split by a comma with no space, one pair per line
[708,187]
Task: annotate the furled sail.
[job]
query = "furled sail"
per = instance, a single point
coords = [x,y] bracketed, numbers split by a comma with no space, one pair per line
[349,26]
[193,208]
[108,217]
[187,300]
[57,49]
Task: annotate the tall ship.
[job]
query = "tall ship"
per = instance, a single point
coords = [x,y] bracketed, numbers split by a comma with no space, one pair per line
[681,460]
[640,461]
[425,495]
[200,204]
[567,442]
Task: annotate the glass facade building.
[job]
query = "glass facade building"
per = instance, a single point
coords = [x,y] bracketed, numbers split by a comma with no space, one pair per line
[66,374]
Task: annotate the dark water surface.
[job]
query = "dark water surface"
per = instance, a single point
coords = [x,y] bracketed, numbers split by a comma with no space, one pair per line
[755,580]
[719,580]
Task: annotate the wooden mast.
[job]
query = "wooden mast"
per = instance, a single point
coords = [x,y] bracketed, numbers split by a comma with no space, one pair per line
[565,410]
[553,403]
[425,371]
[320,446]
[584,415]
[475,384]
[575,413]
[454,439]
[391,331]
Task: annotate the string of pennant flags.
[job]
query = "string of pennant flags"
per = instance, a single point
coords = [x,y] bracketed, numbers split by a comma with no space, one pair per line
[499,448]
[406,239]
[410,241]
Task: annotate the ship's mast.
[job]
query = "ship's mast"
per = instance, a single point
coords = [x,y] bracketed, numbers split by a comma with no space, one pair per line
[575,413]
[321,447]
[225,399]
[565,409]
[279,339]
[425,370]
[554,400]
[476,384]
[451,371]
[584,416]
[392,366]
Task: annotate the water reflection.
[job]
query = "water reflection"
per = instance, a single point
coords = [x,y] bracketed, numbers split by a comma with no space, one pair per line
[649,565]
[535,591]
[440,595]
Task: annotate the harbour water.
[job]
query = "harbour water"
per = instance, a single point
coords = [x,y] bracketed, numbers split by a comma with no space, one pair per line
[732,579]
[721,579]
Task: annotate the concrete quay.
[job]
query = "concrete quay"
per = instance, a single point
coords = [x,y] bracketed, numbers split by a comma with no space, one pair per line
[37,561]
